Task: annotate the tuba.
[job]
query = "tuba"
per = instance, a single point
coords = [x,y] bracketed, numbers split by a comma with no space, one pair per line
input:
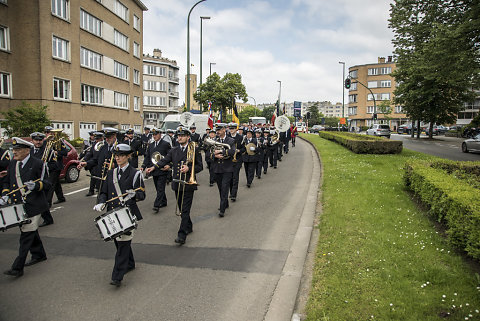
[214,145]
[249,151]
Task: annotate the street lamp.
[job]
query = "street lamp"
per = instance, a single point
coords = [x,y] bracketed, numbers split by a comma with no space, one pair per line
[255,105]
[212,63]
[201,23]
[343,89]
[188,54]
[279,97]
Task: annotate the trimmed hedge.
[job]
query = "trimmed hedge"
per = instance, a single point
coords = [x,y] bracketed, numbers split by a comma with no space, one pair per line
[363,144]
[450,190]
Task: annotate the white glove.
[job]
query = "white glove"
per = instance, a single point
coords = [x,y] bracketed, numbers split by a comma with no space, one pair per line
[99,207]
[131,194]
[30,185]
[3,200]
[252,148]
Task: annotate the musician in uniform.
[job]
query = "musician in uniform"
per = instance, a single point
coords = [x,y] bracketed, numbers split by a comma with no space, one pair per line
[124,179]
[173,139]
[87,144]
[209,157]
[54,168]
[223,166]
[267,149]
[237,159]
[273,148]
[135,145]
[260,152]
[96,171]
[182,171]
[250,157]
[145,138]
[31,174]
[194,137]
[159,174]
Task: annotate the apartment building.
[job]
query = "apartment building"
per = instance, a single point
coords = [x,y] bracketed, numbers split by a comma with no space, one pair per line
[160,88]
[194,106]
[361,105]
[81,58]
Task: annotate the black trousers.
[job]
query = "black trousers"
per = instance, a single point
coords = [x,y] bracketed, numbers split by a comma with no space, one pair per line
[237,166]
[259,167]
[94,183]
[160,181]
[223,183]
[56,187]
[273,157]
[280,150]
[186,225]
[29,241]
[211,173]
[293,141]
[47,217]
[250,171]
[134,162]
[123,259]
[266,156]
[285,147]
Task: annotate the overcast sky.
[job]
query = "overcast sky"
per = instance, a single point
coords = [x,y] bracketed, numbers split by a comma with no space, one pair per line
[298,42]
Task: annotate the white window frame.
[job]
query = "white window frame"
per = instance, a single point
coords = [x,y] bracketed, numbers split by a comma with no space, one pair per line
[385,96]
[136,22]
[151,101]
[61,9]
[91,95]
[120,100]
[5,82]
[370,109]
[372,84]
[120,10]
[372,71]
[120,70]
[91,59]
[63,84]
[385,70]
[125,126]
[162,101]
[353,86]
[399,109]
[352,98]
[136,103]
[90,23]
[136,77]
[64,44]
[120,40]
[136,49]
[352,110]
[137,128]
[353,73]
[5,38]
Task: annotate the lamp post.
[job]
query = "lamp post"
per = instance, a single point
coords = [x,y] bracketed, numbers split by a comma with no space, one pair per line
[188,54]
[201,23]
[255,105]
[279,97]
[212,63]
[343,89]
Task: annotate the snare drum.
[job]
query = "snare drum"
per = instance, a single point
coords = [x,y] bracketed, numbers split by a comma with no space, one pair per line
[12,215]
[115,223]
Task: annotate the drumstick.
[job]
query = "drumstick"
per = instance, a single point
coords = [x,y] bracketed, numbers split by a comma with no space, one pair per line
[16,190]
[125,194]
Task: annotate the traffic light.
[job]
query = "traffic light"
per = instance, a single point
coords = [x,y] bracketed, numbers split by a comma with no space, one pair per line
[308,115]
[375,116]
[348,83]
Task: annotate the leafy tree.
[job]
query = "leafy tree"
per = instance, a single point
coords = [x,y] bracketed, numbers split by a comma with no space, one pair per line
[437,57]
[268,112]
[331,121]
[385,109]
[25,119]
[314,115]
[222,92]
[247,112]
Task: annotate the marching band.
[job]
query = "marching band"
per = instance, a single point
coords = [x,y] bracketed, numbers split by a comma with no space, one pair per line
[174,156]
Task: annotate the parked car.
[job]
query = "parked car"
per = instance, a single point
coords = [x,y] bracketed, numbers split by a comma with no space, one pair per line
[316,128]
[70,171]
[379,130]
[471,144]
[406,129]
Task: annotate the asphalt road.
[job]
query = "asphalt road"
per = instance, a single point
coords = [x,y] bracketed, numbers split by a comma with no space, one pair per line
[228,269]
[441,146]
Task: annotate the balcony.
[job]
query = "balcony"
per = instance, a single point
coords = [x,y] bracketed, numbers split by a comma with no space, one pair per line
[174,79]
[173,94]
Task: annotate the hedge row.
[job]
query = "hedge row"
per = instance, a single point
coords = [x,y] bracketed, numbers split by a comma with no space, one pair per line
[363,144]
[452,199]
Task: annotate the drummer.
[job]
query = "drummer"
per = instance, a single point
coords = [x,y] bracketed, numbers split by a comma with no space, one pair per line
[31,174]
[121,180]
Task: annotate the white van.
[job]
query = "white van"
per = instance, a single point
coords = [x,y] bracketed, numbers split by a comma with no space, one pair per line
[172,121]
[301,126]
[257,120]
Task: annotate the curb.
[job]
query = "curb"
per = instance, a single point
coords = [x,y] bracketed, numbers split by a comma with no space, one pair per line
[284,297]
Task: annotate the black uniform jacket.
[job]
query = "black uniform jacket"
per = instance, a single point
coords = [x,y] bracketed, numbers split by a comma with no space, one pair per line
[176,156]
[131,179]
[163,148]
[53,165]
[239,145]
[99,159]
[195,137]
[35,201]
[135,145]
[261,147]
[250,158]
[225,165]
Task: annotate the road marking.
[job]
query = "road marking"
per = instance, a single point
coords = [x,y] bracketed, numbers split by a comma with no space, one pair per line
[77,191]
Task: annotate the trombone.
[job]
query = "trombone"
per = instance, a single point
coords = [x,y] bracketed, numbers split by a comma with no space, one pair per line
[191,181]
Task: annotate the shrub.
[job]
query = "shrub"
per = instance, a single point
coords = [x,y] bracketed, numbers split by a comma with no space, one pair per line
[77,142]
[362,144]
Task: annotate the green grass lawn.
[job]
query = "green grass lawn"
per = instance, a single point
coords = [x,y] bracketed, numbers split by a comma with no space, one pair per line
[379,256]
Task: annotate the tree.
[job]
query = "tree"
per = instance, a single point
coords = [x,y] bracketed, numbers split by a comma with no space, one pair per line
[25,119]
[385,109]
[268,112]
[332,121]
[437,57]
[247,112]
[314,115]
[222,92]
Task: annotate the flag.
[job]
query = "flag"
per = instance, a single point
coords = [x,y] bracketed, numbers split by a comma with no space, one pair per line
[219,120]
[235,114]
[283,108]
[274,116]
[210,115]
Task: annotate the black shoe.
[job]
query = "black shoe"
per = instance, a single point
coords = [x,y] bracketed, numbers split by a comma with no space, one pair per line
[90,193]
[45,224]
[35,261]
[164,205]
[279,159]
[274,166]
[248,185]
[155,209]
[265,172]
[211,184]
[117,283]
[221,214]
[259,177]
[16,273]
[130,269]
[180,241]
[59,201]
[233,199]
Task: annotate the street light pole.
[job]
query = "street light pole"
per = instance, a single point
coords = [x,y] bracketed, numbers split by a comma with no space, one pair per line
[188,54]
[343,89]
[201,45]
[212,63]
[279,97]
[255,105]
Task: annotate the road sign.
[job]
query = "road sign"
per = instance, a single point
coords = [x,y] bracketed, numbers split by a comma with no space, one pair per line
[342,121]
[297,108]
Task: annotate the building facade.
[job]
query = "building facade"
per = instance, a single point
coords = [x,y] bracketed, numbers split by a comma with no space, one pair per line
[81,58]
[362,105]
[194,106]
[160,88]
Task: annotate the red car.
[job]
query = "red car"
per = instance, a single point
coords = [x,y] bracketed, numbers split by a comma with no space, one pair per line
[70,162]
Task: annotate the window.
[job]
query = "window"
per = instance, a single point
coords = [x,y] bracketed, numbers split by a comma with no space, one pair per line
[60,48]
[154,70]
[61,89]
[385,96]
[120,100]
[120,70]
[150,100]
[352,110]
[162,71]
[137,128]
[125,126]
[4,38]
[398,109]
[352,98]
[149,70]
[90,23]
[372,84]
[136,103]
[353,86]
[150,115]
[136,23]
[5,84]
[136,49]
[163,101]
[370,109]
[121,40]
[372,71]
[136,77]
[60,8]
[353,74]
[90,59]
[385,70]
[385,84]
[120,10]
[92,95]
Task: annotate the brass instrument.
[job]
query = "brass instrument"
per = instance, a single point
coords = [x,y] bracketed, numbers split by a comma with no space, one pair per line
[214,145]
[191,181]
[275,139]
[156,157]
[53,143]
[249,151]
[7,154]
[98,145]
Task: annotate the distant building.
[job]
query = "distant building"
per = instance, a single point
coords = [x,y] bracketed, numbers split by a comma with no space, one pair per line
[194,106]
[80,58]
[160,88]
[471,111]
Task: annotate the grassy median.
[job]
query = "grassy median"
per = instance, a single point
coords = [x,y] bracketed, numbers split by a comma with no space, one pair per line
[379,256]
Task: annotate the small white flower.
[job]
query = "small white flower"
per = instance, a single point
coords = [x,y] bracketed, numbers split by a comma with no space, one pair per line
[444,296]
[391,304]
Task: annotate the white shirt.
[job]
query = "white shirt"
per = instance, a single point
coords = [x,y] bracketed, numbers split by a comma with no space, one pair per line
[25,160]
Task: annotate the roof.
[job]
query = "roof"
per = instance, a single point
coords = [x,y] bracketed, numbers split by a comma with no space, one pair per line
[141,5]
